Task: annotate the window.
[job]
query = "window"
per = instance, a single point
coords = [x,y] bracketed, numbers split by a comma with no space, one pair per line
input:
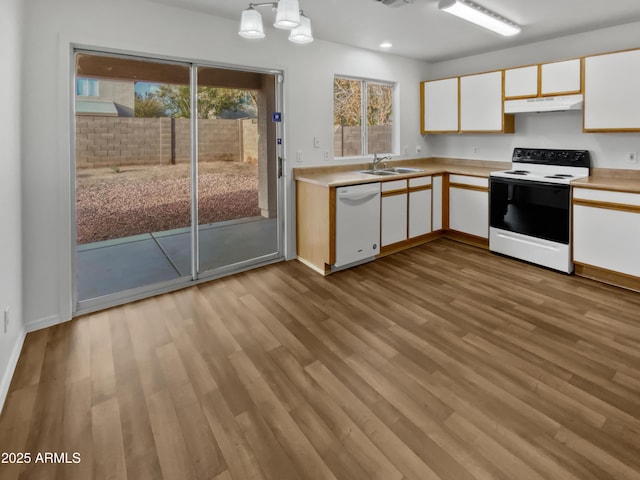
[87,87]
[363,113]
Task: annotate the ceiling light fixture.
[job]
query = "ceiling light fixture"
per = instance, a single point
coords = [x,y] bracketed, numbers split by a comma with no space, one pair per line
[288,17]
[474,13]
[386,45]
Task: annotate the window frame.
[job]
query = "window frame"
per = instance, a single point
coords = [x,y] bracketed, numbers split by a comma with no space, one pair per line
[364,127]
[89,85]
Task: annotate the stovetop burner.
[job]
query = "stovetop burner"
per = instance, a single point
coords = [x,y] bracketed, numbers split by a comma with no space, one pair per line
[546,165]
[559,175]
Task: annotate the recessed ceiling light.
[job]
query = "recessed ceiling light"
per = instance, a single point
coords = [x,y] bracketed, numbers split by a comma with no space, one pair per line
[386,45]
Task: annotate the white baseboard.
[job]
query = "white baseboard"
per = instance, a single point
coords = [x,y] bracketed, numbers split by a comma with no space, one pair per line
[41,323]
[7,375]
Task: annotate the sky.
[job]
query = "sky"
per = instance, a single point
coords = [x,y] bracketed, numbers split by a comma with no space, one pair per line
[143,88]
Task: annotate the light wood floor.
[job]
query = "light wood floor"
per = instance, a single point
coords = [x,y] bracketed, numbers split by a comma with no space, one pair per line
[441,362]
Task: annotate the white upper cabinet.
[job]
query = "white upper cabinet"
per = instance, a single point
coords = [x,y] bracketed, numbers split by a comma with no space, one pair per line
[440,106]
[556,78]
[481,100]
[612,92]
[521,82]
[561,78]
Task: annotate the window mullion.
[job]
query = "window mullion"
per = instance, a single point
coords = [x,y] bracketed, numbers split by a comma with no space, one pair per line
[364,130]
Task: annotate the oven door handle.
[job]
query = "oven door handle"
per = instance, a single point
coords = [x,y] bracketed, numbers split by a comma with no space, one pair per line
[528,242]
[530,183]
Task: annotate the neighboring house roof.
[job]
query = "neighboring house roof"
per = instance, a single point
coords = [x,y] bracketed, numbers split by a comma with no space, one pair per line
[96,107]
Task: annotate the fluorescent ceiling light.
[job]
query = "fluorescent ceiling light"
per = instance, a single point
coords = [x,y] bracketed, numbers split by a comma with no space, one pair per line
[474,13]
[386,45]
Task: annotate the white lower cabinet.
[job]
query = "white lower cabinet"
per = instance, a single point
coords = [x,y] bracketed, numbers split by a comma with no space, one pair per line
[469,205]
[606,229]
[436,203]
[405,210]
[419,206]
[393,213]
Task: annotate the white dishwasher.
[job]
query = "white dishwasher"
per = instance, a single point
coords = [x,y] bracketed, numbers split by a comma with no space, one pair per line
[357,223]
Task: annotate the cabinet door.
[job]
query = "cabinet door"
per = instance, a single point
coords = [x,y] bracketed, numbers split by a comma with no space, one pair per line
[561,78]
[611,92]
[469,205]
[419,206]
[481,102]
[436,202]
[604,234]
[440,106]
[393,220]
[393,212]
[521,82]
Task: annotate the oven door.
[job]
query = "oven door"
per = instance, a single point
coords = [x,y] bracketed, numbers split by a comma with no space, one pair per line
[535,209]
[531,221]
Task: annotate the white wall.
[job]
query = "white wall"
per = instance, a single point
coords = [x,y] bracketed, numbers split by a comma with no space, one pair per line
[140,27]
[546,130]
[11,21]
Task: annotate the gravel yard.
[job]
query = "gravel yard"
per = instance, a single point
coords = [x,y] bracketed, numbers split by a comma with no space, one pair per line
[112,203]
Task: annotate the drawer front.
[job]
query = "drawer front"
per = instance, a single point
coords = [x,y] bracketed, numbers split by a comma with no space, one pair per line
[394,185]
[419,181]
[607,196]
[471,181]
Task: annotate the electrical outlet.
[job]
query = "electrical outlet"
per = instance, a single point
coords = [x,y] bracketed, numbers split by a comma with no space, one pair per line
[299,156]
[316,142]
[326,155]
[418,148]
[632,157]
[476,150]
[6,319]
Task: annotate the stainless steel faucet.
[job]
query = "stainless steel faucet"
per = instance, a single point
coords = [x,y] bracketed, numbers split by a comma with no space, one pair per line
[377,160]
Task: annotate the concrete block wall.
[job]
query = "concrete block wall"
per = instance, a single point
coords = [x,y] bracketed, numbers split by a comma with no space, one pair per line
[117,141]
[347,140]
[250,139]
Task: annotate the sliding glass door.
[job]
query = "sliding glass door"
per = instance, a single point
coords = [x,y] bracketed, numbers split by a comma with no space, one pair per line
[176,175]
[237,160]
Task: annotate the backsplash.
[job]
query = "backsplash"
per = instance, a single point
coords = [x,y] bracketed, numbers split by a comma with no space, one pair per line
[558,130]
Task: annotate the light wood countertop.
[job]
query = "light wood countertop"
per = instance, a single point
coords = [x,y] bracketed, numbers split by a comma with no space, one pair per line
[340,175]
[611,179]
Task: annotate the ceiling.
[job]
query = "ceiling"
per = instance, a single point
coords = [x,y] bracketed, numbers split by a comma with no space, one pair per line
[419,30]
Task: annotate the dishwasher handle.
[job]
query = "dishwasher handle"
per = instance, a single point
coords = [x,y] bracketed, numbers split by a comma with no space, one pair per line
[355,194]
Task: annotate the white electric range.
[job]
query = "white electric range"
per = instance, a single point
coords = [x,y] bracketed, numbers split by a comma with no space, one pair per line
[530,206]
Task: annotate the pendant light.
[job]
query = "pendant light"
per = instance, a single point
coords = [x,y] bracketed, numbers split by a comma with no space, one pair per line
[251,24]
[302,33]
[288,17]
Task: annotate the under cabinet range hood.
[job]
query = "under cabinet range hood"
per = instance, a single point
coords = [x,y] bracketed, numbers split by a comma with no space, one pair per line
[544,104]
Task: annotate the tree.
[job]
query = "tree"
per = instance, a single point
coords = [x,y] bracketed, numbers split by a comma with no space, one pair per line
[379,101]
[148,106]
[347,96]
[212,102]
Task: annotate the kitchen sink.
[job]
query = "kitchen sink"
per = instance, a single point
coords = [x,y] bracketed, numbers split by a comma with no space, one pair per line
[379,172]
[391,171]
[404,170]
